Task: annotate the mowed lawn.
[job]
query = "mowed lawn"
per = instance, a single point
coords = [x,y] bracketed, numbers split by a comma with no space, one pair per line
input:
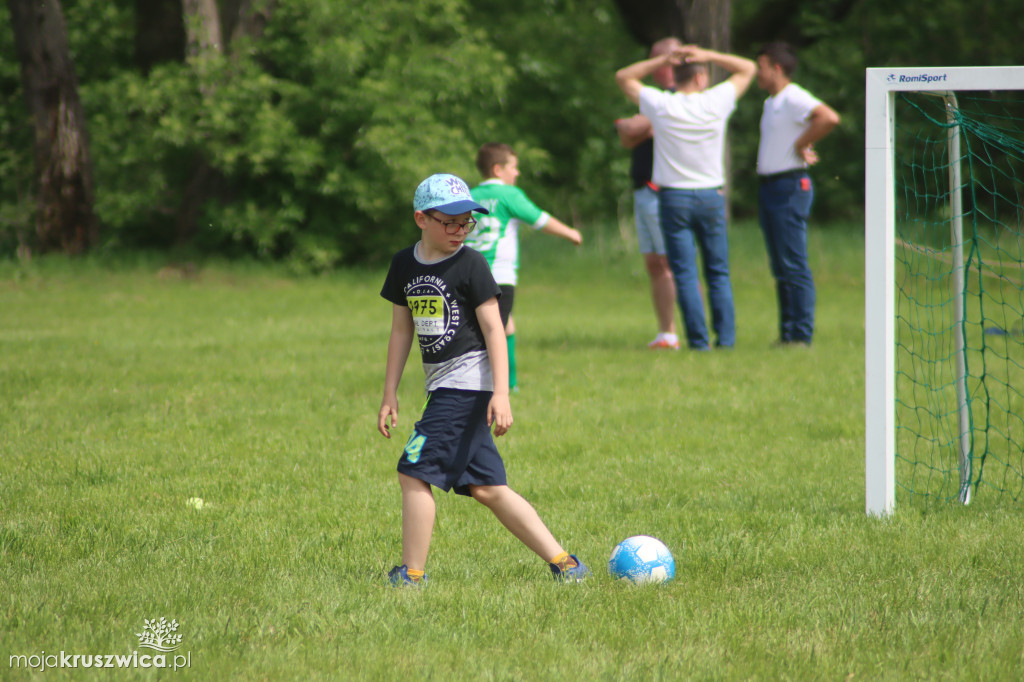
[130,389]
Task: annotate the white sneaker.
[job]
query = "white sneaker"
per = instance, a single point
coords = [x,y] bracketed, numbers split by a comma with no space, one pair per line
[664,342]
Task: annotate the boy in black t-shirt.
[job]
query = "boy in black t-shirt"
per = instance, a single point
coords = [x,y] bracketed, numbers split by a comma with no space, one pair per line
[445,296]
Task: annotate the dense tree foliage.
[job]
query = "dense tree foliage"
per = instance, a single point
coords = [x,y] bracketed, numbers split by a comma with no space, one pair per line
[303,133]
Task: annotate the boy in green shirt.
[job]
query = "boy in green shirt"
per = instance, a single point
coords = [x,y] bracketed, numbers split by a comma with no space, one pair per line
[497,236]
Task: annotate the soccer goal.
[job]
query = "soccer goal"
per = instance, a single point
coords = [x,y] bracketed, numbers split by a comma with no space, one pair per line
[944,285]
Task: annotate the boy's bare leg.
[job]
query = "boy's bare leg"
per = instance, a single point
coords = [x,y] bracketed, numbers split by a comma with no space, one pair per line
[418,513]
[519,516]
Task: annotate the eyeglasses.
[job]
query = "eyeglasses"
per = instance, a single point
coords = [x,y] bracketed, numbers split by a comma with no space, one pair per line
[452,227]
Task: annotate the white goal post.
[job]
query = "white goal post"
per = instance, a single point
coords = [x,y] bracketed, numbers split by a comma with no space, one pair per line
[882,84]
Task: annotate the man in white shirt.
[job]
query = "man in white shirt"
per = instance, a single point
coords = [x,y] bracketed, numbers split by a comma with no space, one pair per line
[792,121]
[689,146]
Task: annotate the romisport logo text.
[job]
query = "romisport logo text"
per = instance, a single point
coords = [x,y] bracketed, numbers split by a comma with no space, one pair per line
[921,78]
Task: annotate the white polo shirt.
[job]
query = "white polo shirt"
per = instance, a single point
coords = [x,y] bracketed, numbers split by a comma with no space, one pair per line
[689,135]
[784,119]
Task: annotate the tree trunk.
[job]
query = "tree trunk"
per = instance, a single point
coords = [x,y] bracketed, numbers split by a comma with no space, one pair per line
[202,27]
[246,18]
[205,40]
[703,22]
[159,33]
[64,215]
[706,23]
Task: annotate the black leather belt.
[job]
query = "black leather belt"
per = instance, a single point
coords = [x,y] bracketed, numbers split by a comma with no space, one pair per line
[784,174]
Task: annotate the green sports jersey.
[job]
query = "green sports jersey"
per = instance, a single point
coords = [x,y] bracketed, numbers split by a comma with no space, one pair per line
[496,234]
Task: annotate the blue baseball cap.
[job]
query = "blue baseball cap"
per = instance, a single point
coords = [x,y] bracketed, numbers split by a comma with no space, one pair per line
[445,193]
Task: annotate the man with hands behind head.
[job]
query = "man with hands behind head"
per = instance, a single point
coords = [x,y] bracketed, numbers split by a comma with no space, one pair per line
[689,146]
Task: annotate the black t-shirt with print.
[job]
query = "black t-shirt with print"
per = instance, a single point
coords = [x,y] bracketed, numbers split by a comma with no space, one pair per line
[443,297]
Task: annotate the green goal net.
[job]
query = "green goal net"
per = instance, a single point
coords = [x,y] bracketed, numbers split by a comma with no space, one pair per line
[958,203]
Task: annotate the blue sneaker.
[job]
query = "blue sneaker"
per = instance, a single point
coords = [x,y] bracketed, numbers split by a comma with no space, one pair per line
[399,577]
[570,574]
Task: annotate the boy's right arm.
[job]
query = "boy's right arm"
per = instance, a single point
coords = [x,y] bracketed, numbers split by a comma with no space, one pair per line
[559,229]
[399,344]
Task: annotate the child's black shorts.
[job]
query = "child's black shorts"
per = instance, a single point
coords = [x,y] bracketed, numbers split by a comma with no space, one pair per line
[505,302]
[451,446]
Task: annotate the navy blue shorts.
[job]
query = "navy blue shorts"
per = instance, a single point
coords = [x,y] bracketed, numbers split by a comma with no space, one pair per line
[451,447]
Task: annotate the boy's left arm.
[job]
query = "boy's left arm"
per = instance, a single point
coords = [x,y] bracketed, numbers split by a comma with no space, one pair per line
[499,410]
[559,229]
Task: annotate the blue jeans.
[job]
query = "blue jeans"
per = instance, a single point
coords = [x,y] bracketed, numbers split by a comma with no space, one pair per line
[784,204]
[694,219]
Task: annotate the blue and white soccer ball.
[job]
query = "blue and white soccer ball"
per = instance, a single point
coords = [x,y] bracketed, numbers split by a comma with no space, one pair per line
[642,559]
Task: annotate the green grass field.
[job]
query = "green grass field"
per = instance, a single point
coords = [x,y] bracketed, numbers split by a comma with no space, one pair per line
[126,392]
